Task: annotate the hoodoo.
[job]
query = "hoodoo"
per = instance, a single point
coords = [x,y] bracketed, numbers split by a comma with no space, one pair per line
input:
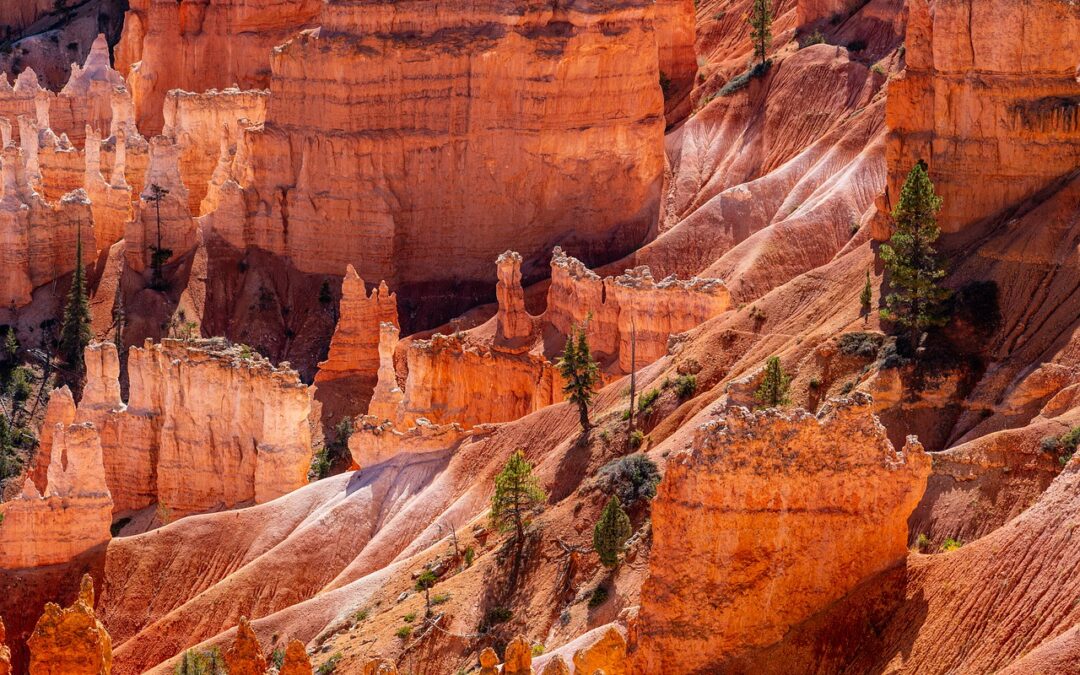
[539,338]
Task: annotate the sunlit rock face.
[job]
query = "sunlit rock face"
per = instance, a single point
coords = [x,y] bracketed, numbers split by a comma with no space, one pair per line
[196,46]
[444,111]
[773,509]
[347,377]
[205,426]
[73,513]
[989,100]
[71,640]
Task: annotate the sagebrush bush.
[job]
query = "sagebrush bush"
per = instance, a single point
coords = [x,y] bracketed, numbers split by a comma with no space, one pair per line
[632,478]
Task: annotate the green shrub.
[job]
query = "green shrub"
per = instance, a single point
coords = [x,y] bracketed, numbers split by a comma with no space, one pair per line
[685,386]
[815,383]
[19,387]
[598,597]
[361,614]
[951,544]
[277,658]
[815,38]
[195,662]
[637,437]
[632,478]
[330,665]
[497,615]
[646,400]
[922,543]
[470,554]
[877,68]
[866,345]
[409,618]
[440,598]
[403,632]
[1050,444]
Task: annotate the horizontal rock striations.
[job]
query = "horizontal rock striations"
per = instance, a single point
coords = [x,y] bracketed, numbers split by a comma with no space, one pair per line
[440,114]
[777,510]
[989,99]
[195,46]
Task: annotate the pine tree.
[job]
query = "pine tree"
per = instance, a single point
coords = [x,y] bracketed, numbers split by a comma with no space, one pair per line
[581,372]
[75,329]
[773,390]
[867,295]
[424,582]
[517,495]
[917,300]
[761,30]
[611,532]
[159,255]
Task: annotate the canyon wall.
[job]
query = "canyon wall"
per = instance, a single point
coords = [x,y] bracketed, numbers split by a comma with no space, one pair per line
[195,46]
[71,516]
[989,99]
[777,510]
[197,124]
[442,113]
[207,425]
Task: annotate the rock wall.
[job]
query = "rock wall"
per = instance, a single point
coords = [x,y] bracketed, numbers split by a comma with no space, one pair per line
[989,100]
[454,380]
[628,305]
[73,514]
[195,46]
[5,652]
[811,11]
[767,519]
[443,112]
[197,122]
[206,425]
[71,640]
[38,238]
[348,375]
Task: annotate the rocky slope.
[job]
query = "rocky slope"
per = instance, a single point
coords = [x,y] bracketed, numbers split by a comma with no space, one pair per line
[778,540]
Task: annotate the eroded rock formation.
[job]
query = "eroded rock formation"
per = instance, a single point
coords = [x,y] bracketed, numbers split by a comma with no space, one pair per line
[245,656]
[404,207]
[5,652]
[195,46]
[71,640]
[162,220]
[198,125]
[789,511]
[985,83]
[348,375]
[513,322]
[73,513]
[296,660]
[615,309]
[206,425]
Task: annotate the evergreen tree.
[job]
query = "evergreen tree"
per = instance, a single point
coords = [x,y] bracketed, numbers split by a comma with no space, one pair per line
[517,496]
[424,582]
[867,295]
[611,532]
[773,390]
[75,328]
[761,29]
[917,300]
[581,372]
[159,255]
